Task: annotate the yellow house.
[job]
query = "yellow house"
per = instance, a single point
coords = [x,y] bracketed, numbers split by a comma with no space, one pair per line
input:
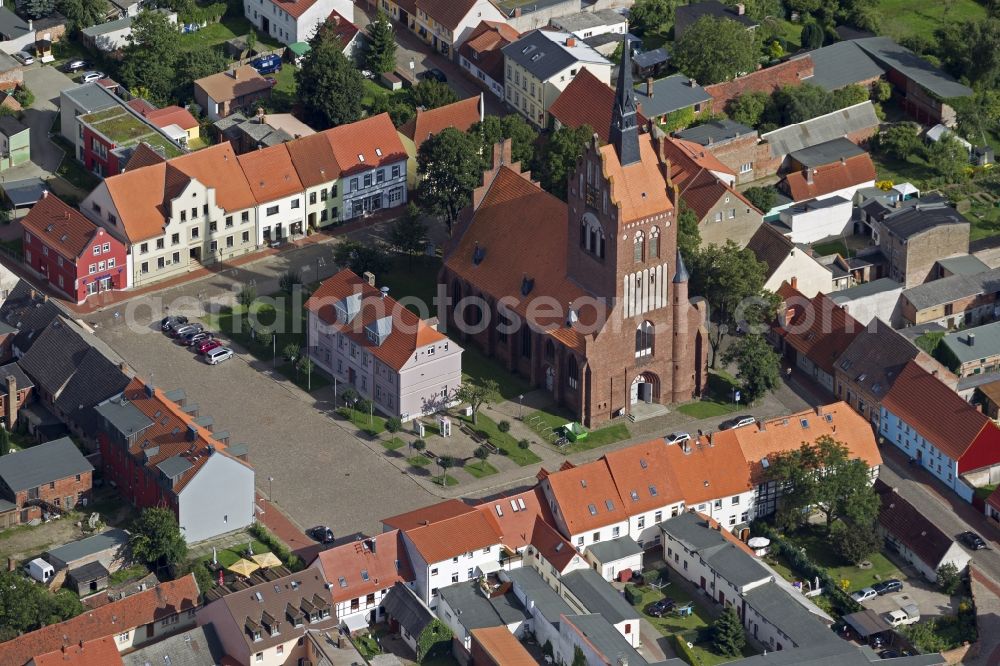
[425,124]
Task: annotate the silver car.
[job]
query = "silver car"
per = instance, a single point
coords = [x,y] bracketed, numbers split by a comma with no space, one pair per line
[218,355]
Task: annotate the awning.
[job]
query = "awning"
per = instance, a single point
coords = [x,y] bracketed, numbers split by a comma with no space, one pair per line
[867,623]
[490,567]
[24,192]
[355,622]
[299,48]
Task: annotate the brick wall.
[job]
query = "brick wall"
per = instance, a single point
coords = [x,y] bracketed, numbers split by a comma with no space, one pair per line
[58,491]
[745,150]
[791,72]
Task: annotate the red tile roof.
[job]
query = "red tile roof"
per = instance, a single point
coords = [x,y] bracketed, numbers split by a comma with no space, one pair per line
[270,173]
[937,413]
[817,328]
[789,73]
[172,115]
[482,47]
[909,525]
[380,563]
[638,189]
[516,515]
[428,514]
[692,170]
[97,652]
[142,156]
[639,470]
[830,178]
[408,332]
[709,469]
[153,605]
[502,646]
[551,545]
[587,101]
[365,144]
[294,7]
[461,115]
[343,30]
[444,539]
[60,227]
[587,496]
[448,13]
[313,159]
[230,84]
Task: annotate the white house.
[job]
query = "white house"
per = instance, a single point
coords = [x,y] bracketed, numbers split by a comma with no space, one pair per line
[446,24]
[481,54]
[114,35]
[543,604]
[472,605]
[587,592]
[817,219]
[875,299]
[278,193]
[788,262]
[294,21]
[590,24]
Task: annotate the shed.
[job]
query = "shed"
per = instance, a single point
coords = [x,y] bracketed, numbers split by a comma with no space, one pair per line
[25,192]
[615,556]
[88,578]
[407,613]
[867,623]
[105,548]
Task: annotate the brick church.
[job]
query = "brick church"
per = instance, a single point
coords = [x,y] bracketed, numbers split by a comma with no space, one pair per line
[588,300]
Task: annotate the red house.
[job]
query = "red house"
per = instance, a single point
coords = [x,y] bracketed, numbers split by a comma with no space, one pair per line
[73,254]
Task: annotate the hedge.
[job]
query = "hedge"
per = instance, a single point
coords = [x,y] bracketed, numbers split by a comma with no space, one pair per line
[290,560]
[633,595]
[682,649]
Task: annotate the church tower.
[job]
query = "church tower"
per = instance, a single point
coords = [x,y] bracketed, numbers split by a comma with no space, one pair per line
[624,134]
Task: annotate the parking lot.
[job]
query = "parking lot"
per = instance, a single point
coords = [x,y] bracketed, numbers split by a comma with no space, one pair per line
[930,601]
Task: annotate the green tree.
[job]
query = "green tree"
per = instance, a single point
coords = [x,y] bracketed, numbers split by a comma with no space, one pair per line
[850,95]
[37,9]
[579,659]
[716,49]
[304,365]
[971,49]
[899,140]
[652,15]
[156,539]
[477,394]
[446,463]
[557,158]
[149,60]
[290,351]
[204,577]
[513,126]
[419,445]
[5,443]
[483,454]
[925,637]
[58,606]
[748,108]
[728,638]
[812,35]
[397,106]
[854,543]
[759,366]
[381,56]
[688,233]
[83,13]
[431,94]
[197,63]
[798,103]
[408,234]
[393,425]
[246,296]
[728,277]
[948,158]
[948,578]
[450,168]
[361,258]
[761,196]
[330,87]
[881,91]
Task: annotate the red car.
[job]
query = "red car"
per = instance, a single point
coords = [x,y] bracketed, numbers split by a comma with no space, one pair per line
[208,345]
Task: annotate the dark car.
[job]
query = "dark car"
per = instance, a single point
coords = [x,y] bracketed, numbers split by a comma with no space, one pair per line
[322,533]
[169,323]
[268,64]
[436,74]
[888,654]
[75,65]
[660,608]
[972,541]
[888,586]
[196,338]
[637,578]
[181,331]
[737,422]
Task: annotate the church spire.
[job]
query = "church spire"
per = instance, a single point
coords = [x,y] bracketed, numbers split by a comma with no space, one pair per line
[625,116]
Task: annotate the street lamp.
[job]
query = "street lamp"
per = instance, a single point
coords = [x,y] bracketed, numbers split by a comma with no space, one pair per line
[520,407]
[270,479]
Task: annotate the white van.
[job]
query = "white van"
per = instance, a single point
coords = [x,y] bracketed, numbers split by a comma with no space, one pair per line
[40,570]
[218,355]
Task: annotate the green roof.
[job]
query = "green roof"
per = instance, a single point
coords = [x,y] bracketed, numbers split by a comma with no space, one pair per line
[299,48]
[124,129]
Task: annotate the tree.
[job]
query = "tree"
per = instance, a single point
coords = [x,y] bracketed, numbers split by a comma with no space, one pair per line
[330,87]
[149,59]
[477,393]
[854,543]
[450,168]
[290,351]
[197,63]
[899,140]
[688,233]
[557,158]
[652,15]
[408,233]
[971,49]
[246,296]
[728,638]
[925,637]
[26,606]
[304,365]
[37,9]
[881,91]
[483,454]
[761,196]
[850,95]
[393,425]
[349,396]
[579,659]
[398,108]
[798,103]
[431,94]
[728,277]
[759,366]
[83,13]
[156,539]
[361,258]
[419,445]
[494,129]
[5,443]
[381,56]
[948,578]
[716,49]
[748,108]
[948,158]
[446,463]
[811,36]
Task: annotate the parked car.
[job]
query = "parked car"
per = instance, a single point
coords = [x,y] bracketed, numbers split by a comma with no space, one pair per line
[677,438]
[75,65]
[206,346]
[268,64]
[24,57]
[168,323]
[888,654]
[90,77]
[322,533]
[908,614]
[972,541]
[864,594]
[181,331]
[218,355]
[737,422]
[660,608]
[434,73]
[887,586]
[196,338]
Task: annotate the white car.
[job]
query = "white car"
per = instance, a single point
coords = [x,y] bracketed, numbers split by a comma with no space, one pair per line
[24,57]
[90,77]
[218,355]
[864,594]
[677,438]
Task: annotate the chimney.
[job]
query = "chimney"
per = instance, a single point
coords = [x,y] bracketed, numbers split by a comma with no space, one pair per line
[236,73]
[192,432]
[31,25]
[45,298]
[371,545]
[11,402]
[808,173]
[741,9]
[45,193]
[795,282]
[11,564]
[971,339]
[692,83]
[149,390]
[649,87]
[123,366]
[517,12]
[32,294]
[383,292]
[819,410]
[571,41]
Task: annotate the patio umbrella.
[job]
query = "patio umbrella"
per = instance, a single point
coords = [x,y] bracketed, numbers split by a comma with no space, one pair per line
[267,560]
[215,557]
[759,542]
[243,567]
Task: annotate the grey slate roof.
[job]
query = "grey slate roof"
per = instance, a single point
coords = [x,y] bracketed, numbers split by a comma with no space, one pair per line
[864,290]
[91,97]
[669,94]
[964,264]
[88,572]
[198,646]
[615,549]
[842,64]
[827,152]
[791,617]
[985,343]
[584,20]
[538,592]
[890,54]
[125,417]
[42,464]
[822,128]
[175,466]
[544,53]
[11,126]
[876,356]
[721,555]
[12,26]
[650,58]
[688,15]
[29,315]
[105,28]
[14,370]
[75,550]
[913,220]
[816,204]
[949,289]
[95,380]
[478,612]
[606,639]
[598,596]
[404,606]
[715,131]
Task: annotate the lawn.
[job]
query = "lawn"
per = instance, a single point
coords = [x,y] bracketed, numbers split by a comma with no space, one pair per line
[913,169]
[818,549]
[367,646]
[718,398]
[284,92]
[831,247]
[904,17]
[393,444]
[479,469]
[419,460]
[788,31]
[544,423]
[446,480]
[504,441]
[229,556]
[127,573]
[984,220]
[369,422]
[216,33]
[478,367]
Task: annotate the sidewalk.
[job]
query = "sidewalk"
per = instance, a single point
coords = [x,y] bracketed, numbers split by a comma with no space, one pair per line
[282,527]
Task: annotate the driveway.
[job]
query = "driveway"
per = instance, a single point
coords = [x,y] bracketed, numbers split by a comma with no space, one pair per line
[46,83]
[928,599]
